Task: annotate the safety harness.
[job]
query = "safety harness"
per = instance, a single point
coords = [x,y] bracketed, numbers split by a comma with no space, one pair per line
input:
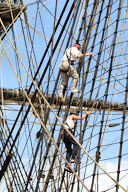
[70,62]
[72,131]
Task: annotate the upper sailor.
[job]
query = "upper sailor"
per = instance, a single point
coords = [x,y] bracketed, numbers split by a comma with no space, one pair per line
[66,67]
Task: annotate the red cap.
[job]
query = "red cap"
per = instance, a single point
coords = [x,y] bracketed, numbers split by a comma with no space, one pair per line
[77,45]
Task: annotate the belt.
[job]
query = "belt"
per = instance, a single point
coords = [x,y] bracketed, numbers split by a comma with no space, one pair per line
[64,71]
[71,62]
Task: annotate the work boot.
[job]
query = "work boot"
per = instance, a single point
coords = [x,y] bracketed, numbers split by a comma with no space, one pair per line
[74,91]
[74,160]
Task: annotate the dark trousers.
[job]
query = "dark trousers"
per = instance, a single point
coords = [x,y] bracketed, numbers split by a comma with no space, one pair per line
[69,141]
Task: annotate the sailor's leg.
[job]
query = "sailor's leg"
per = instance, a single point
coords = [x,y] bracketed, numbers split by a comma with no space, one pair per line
[68,146]
[75,76]
[64,83]
[69,151]
[74,83]
[61,90]
[75,152]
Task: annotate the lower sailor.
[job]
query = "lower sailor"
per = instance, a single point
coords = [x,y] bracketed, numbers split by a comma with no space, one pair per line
[69,141]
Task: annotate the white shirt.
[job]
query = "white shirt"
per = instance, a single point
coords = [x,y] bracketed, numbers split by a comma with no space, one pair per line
[72,53]
[70,123]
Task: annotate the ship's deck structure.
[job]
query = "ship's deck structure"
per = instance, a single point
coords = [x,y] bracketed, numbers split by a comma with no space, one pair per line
[33,38]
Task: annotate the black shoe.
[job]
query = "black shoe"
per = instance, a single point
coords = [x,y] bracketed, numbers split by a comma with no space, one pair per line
[38,134]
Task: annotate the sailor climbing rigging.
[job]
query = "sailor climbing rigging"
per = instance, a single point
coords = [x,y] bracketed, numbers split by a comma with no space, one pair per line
[66,67]
[69,141]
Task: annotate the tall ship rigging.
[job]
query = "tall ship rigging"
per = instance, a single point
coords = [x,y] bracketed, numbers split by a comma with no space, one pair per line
[34,36]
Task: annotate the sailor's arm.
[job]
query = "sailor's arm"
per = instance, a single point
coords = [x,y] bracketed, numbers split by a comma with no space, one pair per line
[86,54]
[75,117]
